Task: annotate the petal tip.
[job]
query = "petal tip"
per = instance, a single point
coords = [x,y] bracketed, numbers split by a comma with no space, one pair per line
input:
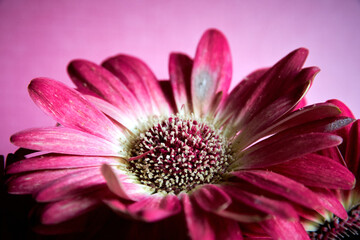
[302,51]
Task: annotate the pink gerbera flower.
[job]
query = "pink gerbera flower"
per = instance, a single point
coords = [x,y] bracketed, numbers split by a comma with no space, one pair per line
[183,149]
[328,225]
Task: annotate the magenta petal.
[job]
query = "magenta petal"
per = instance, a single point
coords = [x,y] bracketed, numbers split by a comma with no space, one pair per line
[71,185]
[280,185]
[138,77]
[71,109]
[169,94]
[345,111]
[148,77]
[132,80]
[211,198]
[305,170]
[257,127]
[32,182]
[198,225]
[352,156]
[261,203]
[269,152]
[180,67]
[238,97]
[53,161]
[274,83]
[283,229]
[212,70]
[302,116]
[117,206]
[303,102]
[330,201]
[345,131]
[113,182]
[156,208]
[89,76]
[64,140]
[260,123]
[61,211]
[126,121]
[125,190]
[204,225]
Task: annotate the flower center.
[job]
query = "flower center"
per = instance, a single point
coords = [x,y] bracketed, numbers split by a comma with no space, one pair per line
[177,155]
[338,229]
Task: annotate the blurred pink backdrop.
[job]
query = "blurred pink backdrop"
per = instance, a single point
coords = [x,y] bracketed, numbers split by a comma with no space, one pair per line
[39,37]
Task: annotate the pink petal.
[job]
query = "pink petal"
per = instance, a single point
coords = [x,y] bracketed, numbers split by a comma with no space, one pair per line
[304,76]
[330,201]
[71,109]
[260,202]
[117,205]
[198,225]
[238,97]
[254,231]
[32,182]
[274,83]
[126,121]
[64,140]
[305,170]
[280,185]
[283,229]
[345,111]
[204,225]
[212,70]
[258,126]
[71,185]
[301,104]
[89,76]
[211,198]
[180,66]
[270,152]
[352,156]
[125,190]
[242,212]
[308,114]
[156,208]
[326,125]
[53,161]
[131,79]
[266,117]
[334,154]
[169,95]
[343,132]
[138,77]
[236,213]
[61,211]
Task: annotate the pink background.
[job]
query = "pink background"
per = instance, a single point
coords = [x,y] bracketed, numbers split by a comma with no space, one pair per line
[39,38]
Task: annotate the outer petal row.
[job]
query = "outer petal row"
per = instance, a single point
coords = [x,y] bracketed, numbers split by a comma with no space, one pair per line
[65,140]
[71,109]
[140,80]
[211,72]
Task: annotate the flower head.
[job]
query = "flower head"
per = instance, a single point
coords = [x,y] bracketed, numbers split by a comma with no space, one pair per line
[328,225]
[185,148]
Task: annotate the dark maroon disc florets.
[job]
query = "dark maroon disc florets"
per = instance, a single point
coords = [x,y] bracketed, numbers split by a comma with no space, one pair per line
[177,155]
